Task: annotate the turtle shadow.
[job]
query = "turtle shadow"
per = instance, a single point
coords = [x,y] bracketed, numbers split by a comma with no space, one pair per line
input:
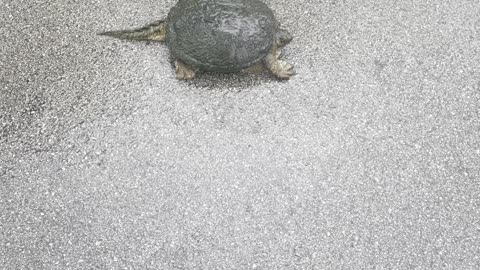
[236,81]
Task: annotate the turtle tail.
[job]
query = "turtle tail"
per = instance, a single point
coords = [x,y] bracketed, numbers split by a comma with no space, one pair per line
[154,31]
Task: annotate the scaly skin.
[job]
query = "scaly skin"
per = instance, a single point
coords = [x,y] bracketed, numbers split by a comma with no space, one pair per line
[154,31]
[182,71]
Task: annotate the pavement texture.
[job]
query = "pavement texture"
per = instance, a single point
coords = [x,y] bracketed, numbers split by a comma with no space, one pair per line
[369,158]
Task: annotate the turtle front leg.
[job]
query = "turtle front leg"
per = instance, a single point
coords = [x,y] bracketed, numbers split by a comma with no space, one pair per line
[279,68]
[183,72]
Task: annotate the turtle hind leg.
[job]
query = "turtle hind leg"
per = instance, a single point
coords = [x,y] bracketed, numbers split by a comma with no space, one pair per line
[183,71]
[279,68]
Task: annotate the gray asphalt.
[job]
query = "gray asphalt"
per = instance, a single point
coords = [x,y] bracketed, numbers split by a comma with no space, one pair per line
[369,158]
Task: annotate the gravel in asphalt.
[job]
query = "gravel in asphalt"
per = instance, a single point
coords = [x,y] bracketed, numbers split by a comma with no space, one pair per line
[369,158]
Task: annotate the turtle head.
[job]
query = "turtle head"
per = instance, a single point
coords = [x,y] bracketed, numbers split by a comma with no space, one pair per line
[282,37]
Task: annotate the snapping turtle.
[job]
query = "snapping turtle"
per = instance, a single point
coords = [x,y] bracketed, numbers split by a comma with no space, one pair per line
[219,36]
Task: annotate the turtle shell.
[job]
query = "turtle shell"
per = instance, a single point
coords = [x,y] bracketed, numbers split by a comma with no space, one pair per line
[220,35]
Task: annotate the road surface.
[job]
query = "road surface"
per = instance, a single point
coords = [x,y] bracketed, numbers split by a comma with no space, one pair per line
[369,158]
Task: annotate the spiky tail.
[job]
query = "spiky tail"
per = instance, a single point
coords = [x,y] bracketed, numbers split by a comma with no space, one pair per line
[154,31]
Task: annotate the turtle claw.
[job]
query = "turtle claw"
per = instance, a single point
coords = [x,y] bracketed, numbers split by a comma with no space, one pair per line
[282,70]
[183,72]
[278,53]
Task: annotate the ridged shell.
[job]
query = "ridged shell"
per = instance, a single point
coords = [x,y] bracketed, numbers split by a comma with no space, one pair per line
[220,35]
